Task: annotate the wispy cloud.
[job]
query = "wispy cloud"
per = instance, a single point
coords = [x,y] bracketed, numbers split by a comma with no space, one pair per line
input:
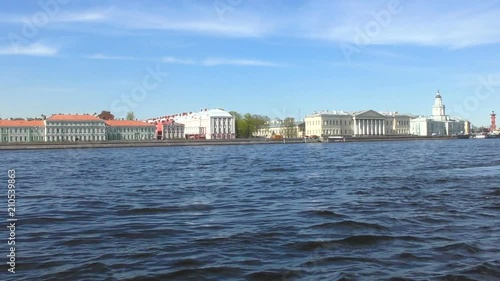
[85,16]
[36,49]
[108,57]
[59,17]
[208,27]
[202,27]
[177,60]
[190,19]
[208,62]
[414,23]
[239,62]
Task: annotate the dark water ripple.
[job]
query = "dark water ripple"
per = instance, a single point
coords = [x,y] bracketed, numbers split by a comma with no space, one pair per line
[351,211]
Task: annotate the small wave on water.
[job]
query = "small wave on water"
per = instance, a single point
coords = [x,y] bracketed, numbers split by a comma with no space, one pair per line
[357,240]
[459,248]
[164,210]
[495,192]
[322,213]
[350,224]
[356,211]
[483,171]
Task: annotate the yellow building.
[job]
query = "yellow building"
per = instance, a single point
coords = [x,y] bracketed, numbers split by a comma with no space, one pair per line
[362,123]
[277,127]
[467,128]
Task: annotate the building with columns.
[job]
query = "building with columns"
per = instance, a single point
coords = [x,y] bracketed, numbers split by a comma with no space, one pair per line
[372,123]
[361,123]
[170,130]
[205,124]
[438,124]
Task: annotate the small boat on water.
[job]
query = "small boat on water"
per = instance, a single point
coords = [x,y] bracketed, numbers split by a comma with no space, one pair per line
[485,136]
[336,139]
[463,137]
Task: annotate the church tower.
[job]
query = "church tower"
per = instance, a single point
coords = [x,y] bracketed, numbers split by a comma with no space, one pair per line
[438,110]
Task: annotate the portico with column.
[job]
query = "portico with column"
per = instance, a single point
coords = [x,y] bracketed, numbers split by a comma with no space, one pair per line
[369,123]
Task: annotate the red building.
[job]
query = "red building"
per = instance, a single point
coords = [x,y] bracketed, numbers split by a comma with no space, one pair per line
[493,122]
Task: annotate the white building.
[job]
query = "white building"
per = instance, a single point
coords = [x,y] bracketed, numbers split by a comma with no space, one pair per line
[12,131]
[361,123]
[205,124]
[172,130]
[438,123]
[68,127]
[277,127]
[129,130]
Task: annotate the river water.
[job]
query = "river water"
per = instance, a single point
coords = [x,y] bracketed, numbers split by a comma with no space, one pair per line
[416,210]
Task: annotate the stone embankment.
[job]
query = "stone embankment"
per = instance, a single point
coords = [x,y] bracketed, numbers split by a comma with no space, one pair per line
[117,144]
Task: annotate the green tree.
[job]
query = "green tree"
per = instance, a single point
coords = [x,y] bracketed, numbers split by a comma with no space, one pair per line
[246,125]
[255,122]
[240,125]
[130,115]
[289,128]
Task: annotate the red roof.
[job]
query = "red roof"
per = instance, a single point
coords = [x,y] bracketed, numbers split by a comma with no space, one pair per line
[21,123]
[127,123]
[73,117]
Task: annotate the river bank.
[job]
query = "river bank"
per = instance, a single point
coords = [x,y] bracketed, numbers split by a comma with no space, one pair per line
[115,144]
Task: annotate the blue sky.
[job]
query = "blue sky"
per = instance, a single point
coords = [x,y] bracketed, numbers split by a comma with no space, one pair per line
[266,57]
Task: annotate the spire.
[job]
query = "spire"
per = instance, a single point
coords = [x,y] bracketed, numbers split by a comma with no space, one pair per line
[438,95]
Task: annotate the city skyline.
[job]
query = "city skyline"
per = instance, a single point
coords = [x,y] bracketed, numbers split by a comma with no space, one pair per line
[274,59]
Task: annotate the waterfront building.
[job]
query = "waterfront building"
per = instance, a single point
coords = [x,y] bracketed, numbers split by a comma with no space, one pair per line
[74,127]
[278,127]
[467,129]
[128,130]
[438,124]
[172,130]
[205,124]
[12,131]
[373,123]
[361,123]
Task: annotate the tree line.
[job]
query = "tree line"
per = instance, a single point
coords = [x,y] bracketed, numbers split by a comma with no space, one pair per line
[246,125]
